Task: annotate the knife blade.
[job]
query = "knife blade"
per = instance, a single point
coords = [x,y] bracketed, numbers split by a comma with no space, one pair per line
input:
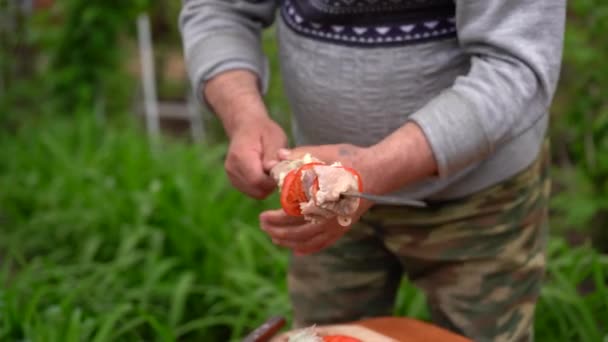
[384,199]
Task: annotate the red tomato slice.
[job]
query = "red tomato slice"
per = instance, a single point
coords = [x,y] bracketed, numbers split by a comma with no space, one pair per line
[292,191]
[340,338]
[307,166]
[357,175]
[315,189]
[315,185]
[289,195]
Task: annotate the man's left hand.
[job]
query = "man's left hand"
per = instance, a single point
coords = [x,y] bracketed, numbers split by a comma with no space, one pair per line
[347,154]
[301,236]
[304,237]
[402,158]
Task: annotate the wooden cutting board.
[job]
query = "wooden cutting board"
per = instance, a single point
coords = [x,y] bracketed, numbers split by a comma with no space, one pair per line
[385,329]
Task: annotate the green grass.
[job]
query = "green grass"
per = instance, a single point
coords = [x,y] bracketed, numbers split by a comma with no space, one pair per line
[105,239]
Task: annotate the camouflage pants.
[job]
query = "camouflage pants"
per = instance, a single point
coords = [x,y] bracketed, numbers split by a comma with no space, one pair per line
[480,261]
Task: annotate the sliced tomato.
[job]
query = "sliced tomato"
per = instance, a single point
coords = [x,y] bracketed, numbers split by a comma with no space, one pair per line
[292,191]
[340,338]
[357,175]
[315,189]
[315,184]
[307,167]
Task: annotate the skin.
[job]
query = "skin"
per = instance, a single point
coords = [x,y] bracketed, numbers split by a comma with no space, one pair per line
[257,143]
[255,138]
[398,160]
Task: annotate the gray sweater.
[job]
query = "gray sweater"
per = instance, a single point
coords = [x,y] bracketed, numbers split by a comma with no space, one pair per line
[480,96]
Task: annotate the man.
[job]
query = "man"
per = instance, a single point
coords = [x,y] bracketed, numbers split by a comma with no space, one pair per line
[440,100]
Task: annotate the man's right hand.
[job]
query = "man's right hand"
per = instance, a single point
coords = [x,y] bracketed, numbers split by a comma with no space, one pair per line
[254,137]
[252,152]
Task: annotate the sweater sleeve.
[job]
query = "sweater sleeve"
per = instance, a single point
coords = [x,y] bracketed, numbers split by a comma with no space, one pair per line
[220,35]
[515,51]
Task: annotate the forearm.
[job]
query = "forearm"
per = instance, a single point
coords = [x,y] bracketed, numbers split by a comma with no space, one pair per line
[220,35]
[235,98]
[402,158]
[514,68]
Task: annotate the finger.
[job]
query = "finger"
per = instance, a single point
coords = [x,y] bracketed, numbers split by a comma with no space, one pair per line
[297,245]
[243,161]
[278,218]
[269,164]
[317,246]
[279,225]
[313,244]
[298,234]
[250,172]
[237,182]
[256,188]
[271,144]
[295,153]
[323,153]
[245,186]
[284,154]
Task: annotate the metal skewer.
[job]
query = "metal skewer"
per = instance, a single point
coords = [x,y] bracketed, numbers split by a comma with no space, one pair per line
[390,200]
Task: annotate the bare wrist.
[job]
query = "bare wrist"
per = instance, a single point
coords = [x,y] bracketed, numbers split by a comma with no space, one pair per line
[235,98]
[401,159]
[366,164]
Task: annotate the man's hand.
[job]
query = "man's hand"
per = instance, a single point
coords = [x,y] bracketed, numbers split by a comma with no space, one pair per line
[359,158]
[402,158]
[304,237]
[254,137]
[347,154]
[253,148]
[301,236]
[398,160]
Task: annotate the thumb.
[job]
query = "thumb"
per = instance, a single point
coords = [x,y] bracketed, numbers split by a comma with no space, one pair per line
[270,148]
[299,152]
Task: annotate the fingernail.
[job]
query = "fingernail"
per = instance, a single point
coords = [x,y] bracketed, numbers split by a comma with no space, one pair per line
[284,153]
[271,163]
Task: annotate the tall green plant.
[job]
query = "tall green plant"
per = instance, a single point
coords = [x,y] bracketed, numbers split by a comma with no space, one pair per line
[580,129]
[87,55]
[105,239]
[19,61]
[65,57]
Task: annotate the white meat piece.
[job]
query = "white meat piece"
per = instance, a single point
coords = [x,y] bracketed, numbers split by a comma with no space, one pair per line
[306,335]
[333,181]
[315,213]
[280,170]
[308,178]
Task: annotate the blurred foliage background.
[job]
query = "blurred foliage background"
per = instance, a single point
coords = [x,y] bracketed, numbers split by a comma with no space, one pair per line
[104,237]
